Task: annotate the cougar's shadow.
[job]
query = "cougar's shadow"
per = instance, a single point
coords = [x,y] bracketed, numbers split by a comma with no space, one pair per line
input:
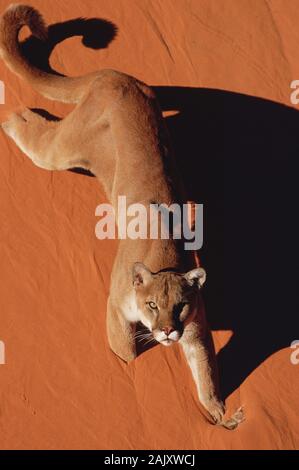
[96,33]
[237,155]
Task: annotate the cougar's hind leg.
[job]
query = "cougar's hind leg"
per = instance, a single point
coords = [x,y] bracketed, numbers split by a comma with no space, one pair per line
[36,137]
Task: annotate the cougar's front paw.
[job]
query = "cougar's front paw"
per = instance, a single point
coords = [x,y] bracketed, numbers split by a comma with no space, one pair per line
[217,411]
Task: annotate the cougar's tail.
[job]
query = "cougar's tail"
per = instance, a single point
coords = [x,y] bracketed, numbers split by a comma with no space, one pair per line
[55,87]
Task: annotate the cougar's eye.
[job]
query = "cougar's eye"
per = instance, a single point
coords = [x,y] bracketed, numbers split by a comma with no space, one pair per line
[152,305]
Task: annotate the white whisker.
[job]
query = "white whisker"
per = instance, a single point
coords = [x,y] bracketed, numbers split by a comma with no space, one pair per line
[151,340]
[143,336]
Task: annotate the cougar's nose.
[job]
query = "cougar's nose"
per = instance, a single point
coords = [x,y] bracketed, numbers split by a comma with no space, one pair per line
[167,330]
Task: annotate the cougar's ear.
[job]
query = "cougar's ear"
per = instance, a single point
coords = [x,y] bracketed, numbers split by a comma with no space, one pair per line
[196,277]
[141,275]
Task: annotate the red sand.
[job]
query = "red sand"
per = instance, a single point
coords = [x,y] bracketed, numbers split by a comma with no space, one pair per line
[61,387]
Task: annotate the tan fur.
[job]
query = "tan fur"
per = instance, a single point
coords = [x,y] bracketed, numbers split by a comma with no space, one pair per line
[117,132]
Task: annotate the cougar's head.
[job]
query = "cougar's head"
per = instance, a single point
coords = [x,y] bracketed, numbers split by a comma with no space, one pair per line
[166,300]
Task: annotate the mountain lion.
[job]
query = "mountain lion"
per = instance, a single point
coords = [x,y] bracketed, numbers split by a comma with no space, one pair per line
[117,131]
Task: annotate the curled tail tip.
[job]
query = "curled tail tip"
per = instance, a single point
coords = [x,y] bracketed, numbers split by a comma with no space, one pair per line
[18,15]
[233,422]
[12,6]
[19,8]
